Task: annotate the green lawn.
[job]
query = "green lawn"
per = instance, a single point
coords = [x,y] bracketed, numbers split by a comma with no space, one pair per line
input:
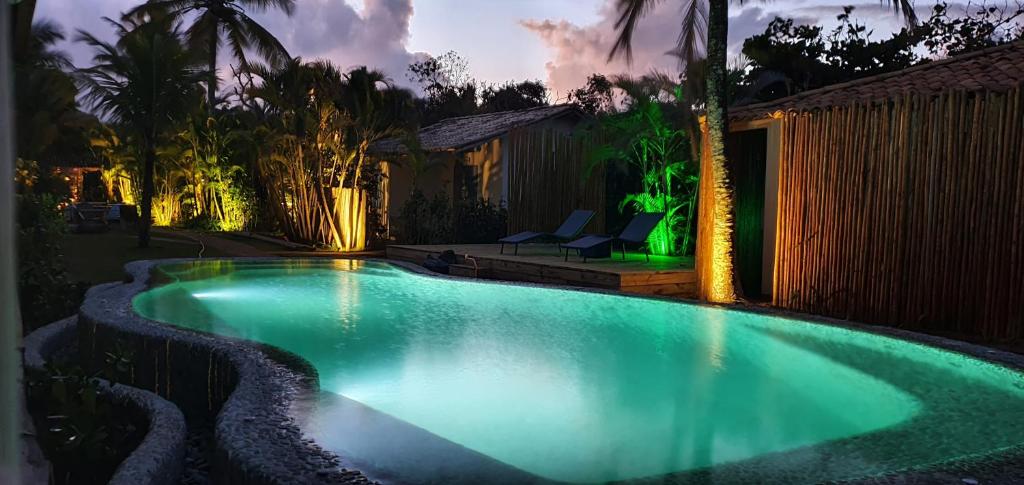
[262,245]
[99,258]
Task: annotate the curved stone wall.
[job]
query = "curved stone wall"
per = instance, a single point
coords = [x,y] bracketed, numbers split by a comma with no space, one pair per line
[159,457]
[257,442]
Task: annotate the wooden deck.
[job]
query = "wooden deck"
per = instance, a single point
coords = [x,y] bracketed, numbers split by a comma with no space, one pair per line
[540,263]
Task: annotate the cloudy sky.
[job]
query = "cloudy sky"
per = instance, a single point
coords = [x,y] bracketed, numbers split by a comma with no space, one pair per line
[556,41]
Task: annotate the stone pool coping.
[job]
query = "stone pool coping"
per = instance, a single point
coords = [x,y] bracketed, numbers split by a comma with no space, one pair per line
[256,439]
[159,457]
[254,423]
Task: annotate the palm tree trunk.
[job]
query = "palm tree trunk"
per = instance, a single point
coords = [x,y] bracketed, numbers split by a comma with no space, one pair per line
[146,217]
[211,85]
[723,236]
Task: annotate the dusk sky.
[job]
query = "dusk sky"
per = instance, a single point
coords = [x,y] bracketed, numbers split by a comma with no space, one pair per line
[556,41]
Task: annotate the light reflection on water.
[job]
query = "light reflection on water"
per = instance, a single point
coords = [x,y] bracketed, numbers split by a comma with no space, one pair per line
[436,380]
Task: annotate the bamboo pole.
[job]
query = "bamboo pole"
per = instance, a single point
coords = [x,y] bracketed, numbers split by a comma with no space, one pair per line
[907,212]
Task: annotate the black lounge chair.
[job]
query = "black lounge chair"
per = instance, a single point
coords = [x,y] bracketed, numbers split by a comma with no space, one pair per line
[571,228]
[636,232]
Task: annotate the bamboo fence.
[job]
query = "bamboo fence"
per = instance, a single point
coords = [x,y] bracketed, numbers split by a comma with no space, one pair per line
[547,171]
[908,212]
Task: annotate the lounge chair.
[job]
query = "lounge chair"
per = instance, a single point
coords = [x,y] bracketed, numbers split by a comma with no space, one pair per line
[570,229]
[636,232]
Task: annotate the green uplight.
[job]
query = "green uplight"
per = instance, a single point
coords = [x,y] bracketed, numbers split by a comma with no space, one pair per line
[649,138]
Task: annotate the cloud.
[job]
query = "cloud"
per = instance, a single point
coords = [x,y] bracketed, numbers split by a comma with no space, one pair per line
[331,29]
[578,51]
[375,36]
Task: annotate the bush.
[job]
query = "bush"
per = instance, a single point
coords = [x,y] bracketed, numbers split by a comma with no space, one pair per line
[425,221]
[436,221]
[44,292]
[239,204]
[202,222]
[480,222]
[83,434]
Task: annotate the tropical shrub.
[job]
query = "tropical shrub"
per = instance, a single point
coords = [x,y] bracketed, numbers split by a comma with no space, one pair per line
[238,207]
[44,292]
[201,222]
[479,221]
[425,221]
[83,433]
[647,141]
[311,148]
[437,220]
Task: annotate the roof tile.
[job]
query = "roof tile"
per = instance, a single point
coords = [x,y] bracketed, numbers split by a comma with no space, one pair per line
[465,131]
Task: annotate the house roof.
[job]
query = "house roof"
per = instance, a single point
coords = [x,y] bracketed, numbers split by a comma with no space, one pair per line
[454,134]
[997,68]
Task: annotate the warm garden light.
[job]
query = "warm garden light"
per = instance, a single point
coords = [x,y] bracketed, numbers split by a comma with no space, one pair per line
[351,219]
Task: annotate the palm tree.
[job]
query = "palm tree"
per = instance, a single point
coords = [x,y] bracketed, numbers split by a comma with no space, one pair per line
[377,108]
[50,126]
[145,83]
[322,123]
[227,18]
[704,33]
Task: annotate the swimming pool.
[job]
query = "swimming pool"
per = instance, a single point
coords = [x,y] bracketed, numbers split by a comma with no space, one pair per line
[430,379]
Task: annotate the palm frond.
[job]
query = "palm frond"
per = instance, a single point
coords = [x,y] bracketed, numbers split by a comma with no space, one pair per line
[286,6]
[45,34]
[630,13]
[904,9]
[692,42]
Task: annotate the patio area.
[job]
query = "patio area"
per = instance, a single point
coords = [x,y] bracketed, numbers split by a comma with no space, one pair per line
[541,263]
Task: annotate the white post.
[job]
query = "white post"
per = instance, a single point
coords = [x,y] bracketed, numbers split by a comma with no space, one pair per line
[10,321]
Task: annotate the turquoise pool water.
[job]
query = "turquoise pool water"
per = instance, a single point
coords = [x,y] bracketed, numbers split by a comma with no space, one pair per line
[436,380]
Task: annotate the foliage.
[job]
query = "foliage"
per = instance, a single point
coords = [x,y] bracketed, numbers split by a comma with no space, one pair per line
[647,138]
[120,164]
[214,19]
[788,58]
[29,179]
[596,97]
[439,220]
[313,147]
[441,73]
[50,126]
[980,26]
[238,208]
[203,153]
[425,220]
[450,91]
[479,222]
[201,222]
[44,292]
[144,82]
[513,96]
[83,433]
[167,207]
